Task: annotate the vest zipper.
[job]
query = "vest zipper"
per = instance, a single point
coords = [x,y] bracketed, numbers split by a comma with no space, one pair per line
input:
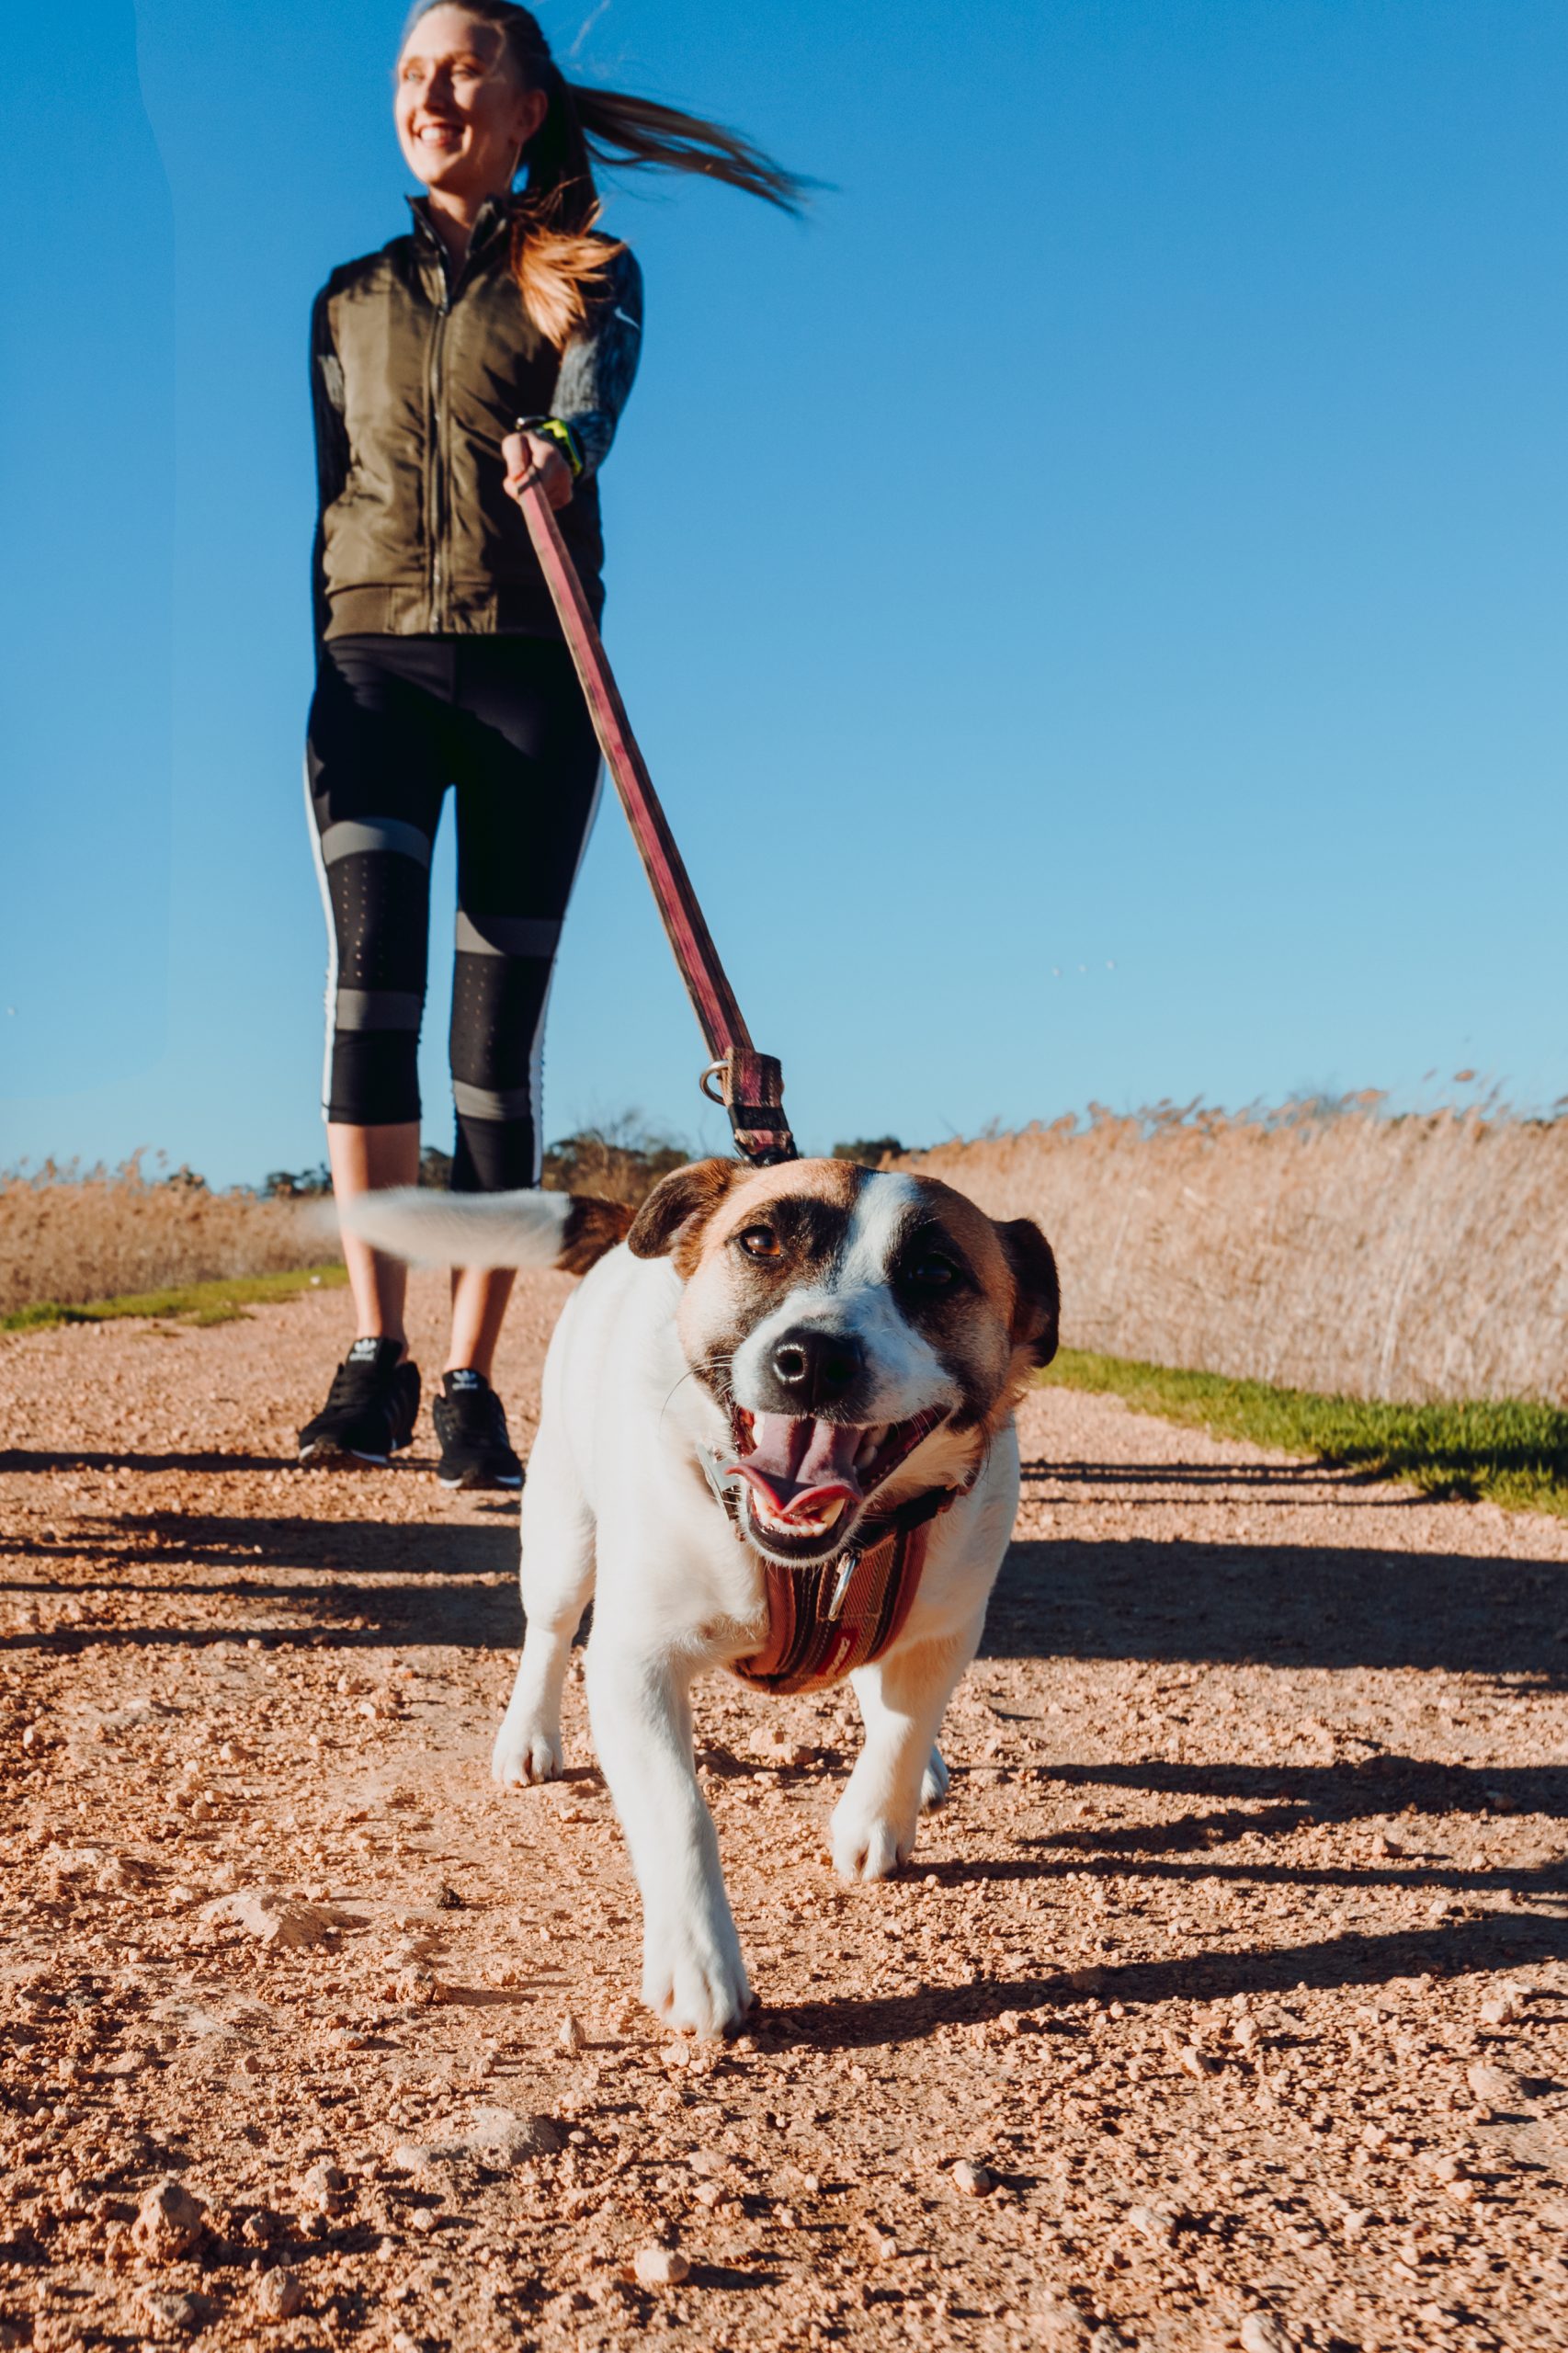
[436,493]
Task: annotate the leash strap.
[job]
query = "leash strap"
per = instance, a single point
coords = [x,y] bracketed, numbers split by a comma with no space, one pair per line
[750,1086]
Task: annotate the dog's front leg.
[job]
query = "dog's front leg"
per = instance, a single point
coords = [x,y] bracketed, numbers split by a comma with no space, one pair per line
[903,1700]
[693,1975]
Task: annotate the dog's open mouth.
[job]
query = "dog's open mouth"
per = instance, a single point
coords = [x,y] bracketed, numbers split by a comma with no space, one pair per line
[807,1481]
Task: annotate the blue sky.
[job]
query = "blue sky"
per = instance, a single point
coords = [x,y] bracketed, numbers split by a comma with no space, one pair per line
[1092,598]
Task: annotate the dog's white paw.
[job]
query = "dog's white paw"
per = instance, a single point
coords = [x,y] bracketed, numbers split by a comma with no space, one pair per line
[693,1977]
[936,1783]
[524,1751]
[867,1846]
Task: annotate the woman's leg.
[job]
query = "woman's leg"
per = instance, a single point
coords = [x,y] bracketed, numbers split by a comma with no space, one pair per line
[526,787]
[479,1304]
[375,771]
[366,1160]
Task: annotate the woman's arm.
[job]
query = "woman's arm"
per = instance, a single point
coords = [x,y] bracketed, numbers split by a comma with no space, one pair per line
[599,365]
[332,441]
[597,368]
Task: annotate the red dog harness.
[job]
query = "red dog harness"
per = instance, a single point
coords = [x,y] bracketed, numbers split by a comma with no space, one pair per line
[825,1620]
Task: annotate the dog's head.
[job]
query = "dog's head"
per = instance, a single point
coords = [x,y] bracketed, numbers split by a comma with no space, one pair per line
[863,1333]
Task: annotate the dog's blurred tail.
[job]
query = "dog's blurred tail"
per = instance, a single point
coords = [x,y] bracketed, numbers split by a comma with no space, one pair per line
[571,1230]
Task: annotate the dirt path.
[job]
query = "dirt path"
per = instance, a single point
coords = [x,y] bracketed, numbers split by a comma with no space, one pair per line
[1239,1958]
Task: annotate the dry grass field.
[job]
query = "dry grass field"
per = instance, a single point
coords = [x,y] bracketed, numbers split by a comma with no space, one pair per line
[70,1236]
[1415,1258]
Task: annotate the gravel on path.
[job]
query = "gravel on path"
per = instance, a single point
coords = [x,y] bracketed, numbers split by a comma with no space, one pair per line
[1225,2004]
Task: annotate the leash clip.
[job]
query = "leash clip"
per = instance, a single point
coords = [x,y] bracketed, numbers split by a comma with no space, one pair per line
[847,1568]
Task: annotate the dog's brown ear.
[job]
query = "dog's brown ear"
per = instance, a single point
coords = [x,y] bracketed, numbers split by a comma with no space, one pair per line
[678,1208]
[1037,1295]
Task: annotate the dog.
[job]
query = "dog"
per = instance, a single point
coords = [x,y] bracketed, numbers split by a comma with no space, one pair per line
[775,1386]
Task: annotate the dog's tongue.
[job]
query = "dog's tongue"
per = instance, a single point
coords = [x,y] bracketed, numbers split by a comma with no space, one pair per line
[798,1466]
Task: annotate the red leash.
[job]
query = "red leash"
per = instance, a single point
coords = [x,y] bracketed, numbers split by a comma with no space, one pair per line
[751,1085]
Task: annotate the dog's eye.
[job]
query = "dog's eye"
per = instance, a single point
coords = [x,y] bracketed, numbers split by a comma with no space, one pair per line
[759,1241]
[931,1271]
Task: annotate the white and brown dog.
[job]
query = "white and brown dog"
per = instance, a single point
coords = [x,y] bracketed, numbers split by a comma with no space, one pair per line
[772,1365]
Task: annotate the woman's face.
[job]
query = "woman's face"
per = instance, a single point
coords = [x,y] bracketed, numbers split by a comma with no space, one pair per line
[464,118]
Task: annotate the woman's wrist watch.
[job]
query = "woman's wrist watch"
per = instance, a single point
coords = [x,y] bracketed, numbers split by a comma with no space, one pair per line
[552,429]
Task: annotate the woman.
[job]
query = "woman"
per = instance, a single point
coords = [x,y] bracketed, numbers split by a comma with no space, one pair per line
[490,348]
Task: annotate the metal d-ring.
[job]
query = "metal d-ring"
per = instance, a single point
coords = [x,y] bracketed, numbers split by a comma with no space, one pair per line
[713,1070]
[846,1569]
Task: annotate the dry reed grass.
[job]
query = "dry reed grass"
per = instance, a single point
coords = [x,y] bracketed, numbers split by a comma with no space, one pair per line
[73,1236]
[1414,1259]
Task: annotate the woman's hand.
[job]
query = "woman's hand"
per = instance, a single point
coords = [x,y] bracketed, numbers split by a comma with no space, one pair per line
[532,458]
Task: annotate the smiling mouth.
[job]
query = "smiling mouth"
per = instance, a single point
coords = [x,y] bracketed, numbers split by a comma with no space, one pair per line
[806,1481]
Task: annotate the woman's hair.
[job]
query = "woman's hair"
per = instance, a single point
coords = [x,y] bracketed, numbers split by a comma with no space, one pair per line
[558,263]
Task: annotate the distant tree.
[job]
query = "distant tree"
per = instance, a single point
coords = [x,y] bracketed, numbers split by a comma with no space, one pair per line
[871,1152]
[622,1161]
[294,1184]
[435,1169]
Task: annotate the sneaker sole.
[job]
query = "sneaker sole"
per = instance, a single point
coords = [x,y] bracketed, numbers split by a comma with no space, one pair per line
[478,1482]
[326,1450]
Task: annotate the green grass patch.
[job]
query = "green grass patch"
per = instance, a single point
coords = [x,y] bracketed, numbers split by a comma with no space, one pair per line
[1511,1452]
[202,1303]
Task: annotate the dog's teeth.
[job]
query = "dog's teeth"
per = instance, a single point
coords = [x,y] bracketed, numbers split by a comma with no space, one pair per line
[871,1445]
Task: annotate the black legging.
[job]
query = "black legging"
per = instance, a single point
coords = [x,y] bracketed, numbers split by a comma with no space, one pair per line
[394,721]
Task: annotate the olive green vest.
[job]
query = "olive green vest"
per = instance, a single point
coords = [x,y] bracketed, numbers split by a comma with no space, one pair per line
[416,380]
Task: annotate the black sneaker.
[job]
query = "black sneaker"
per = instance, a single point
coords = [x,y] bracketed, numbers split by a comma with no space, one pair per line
[371,1409]
[471,1423]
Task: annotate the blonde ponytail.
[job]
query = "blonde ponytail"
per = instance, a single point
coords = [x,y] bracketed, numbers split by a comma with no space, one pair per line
[560,265]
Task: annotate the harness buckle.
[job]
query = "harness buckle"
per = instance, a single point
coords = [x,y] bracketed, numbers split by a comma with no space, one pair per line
[840,1595]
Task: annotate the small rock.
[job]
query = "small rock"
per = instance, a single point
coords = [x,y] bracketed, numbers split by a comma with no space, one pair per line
[972,2181]
[661,2266]
[1493,2086]
[1502,2004]
[1085,1981]
[1158,2228]
[1261,2332]
[447,1898]
[1060,2327]
[497,2137]
[568,2034]
[325,2189]
[417,1985]
[168,2222]
[423,2217]
[280,2295]
[280,1921]
[169,2315]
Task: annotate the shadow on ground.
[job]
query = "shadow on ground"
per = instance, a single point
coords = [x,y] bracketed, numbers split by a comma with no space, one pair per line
[1280,1604]
[1461,1948]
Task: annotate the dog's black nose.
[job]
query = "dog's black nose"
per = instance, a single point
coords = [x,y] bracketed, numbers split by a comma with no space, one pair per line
[814,1368]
